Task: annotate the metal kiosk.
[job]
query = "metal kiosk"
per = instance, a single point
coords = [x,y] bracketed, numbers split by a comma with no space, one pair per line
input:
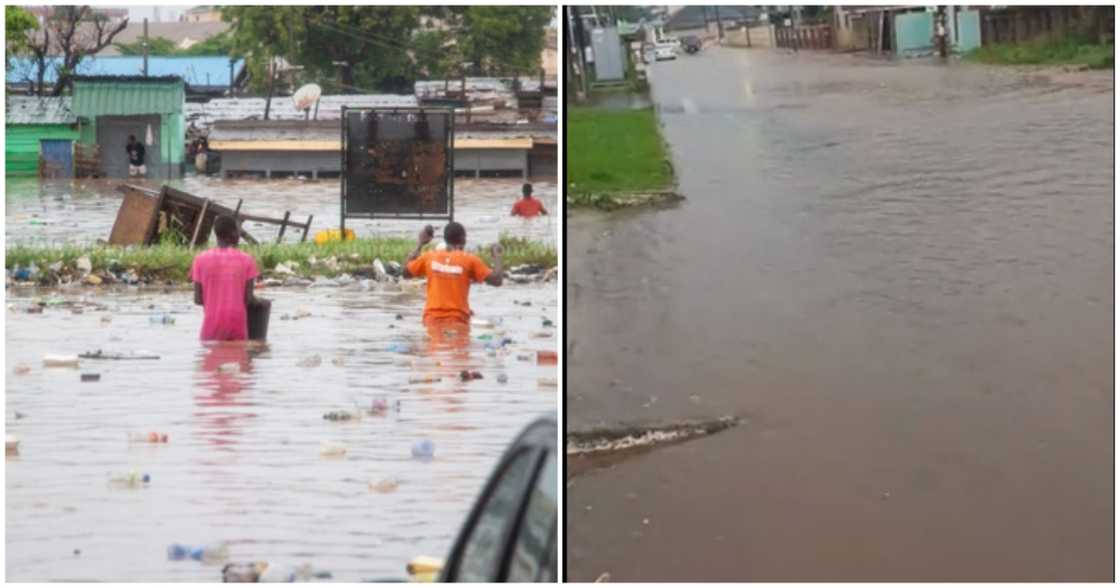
[397,163]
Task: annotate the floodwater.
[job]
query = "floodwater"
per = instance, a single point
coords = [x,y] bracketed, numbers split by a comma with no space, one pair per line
[900,274]
[83,211]
[243,461]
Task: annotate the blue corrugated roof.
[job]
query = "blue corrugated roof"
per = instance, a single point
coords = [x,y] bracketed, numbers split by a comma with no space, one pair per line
[196,71]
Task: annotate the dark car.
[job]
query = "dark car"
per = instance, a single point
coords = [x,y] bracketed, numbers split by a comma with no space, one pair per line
[510,534]
[692,44]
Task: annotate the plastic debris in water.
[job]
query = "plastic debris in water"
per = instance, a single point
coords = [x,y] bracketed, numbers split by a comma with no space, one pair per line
[331,449]
[467,376]
[60,360]
[424,449]
[162,319]
[131,479]
[398,347]
[152,437]
[22,369]
[311,361]
[385,486]
[91,377]
[11,445]
[502,378]
[379,406]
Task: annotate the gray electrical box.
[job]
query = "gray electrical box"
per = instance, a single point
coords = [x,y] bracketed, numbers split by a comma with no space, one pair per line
[607,48]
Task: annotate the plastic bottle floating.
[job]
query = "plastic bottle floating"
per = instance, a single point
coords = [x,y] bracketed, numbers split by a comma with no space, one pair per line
[424,449]
[147,437]
[215,552]
[131,479]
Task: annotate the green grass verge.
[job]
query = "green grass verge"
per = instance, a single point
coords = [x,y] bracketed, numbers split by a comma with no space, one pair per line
[1068,51]
[614,151]
[171,262]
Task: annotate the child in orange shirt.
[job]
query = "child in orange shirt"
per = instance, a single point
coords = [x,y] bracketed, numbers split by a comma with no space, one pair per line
[528,206]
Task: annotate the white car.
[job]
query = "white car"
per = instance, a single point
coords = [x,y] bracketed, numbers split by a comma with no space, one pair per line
[664,51]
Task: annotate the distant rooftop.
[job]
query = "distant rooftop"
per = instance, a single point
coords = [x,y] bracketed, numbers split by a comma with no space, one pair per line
[33,110]
[202,115]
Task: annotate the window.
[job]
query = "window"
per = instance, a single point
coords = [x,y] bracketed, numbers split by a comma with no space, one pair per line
[538,527]
[483,549]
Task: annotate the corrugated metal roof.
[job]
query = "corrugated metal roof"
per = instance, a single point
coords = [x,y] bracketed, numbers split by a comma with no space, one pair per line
[204,115]
[196,71]
[33,110]
[97,97]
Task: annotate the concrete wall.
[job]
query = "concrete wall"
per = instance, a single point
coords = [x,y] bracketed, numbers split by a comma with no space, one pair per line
[761,37]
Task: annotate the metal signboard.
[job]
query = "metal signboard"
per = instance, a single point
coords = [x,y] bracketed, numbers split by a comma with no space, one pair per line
[398,163]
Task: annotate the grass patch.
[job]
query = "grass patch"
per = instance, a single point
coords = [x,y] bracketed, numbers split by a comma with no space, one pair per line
[614,151]
[168,261]
[1073,50]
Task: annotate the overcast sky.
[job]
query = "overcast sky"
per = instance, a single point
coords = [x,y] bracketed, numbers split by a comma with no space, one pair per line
[166,13]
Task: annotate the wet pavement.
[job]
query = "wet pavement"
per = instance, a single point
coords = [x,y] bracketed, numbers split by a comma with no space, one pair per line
[900,275]
[243,462]
[83,211]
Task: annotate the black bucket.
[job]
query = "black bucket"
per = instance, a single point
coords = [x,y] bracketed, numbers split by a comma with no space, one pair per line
[259,311]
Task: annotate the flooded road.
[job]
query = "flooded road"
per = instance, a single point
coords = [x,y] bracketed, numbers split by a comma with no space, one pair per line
[900,275]
[243,461]
[83,211]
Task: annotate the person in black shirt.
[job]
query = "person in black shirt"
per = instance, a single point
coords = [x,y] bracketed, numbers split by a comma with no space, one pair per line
[135,150]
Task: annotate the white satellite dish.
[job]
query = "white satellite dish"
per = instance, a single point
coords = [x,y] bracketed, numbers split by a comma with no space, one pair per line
[306,96]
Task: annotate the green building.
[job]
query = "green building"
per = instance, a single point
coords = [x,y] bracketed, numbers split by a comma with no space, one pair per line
[37,127]
[111,108]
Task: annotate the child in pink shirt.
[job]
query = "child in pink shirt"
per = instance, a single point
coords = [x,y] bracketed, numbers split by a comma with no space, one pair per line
[223,285]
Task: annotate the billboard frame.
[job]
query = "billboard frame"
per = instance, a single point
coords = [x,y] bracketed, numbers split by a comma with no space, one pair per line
[449,165]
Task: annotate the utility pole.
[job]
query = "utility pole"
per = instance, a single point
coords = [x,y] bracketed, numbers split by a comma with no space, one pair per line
[719,25]
[575,29]
[942,46]
[271,81]
[145,47]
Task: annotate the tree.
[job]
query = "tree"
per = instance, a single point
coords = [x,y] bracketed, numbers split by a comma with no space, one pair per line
[17,24]
[156,46]
[436,54]
[218,45]
[502,39]
[70,33]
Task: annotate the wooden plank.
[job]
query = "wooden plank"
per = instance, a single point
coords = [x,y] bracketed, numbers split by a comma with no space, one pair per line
[306,228]
[198,223]
[135,219]
[283,225]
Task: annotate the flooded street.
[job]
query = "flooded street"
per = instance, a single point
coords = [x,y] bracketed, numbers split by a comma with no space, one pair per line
[243,461]
[900,275]
[83,211]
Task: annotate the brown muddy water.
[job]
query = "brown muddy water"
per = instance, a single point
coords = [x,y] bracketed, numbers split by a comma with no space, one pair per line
[243,462]
[900,276]
[83,211]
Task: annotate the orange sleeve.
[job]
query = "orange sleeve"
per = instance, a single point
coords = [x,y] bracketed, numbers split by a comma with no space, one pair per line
[516,208]
[479,270]
[419,267]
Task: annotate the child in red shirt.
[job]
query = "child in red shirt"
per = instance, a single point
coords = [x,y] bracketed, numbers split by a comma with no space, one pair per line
[528,206]
[223,285]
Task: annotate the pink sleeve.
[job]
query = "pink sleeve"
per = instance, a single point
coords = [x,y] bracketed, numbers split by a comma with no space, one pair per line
[251,272]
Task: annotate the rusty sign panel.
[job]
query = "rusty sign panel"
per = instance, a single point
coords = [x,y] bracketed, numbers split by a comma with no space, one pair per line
[397,163]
